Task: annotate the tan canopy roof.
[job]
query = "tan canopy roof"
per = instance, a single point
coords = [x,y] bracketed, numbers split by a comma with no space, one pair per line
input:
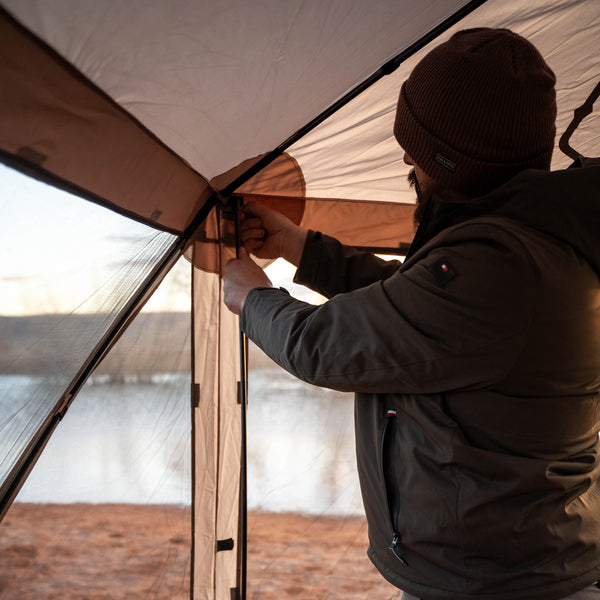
[142,104]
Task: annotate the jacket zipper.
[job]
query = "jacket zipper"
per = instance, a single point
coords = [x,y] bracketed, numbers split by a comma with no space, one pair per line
[393,547]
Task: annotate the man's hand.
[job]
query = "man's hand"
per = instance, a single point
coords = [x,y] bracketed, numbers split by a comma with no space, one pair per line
[267,233]
[242,275]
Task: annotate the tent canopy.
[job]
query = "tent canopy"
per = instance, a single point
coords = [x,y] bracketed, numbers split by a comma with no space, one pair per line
[160,110]
[171,96]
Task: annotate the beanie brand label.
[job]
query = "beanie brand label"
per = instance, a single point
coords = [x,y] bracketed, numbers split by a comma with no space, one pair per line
[445,162]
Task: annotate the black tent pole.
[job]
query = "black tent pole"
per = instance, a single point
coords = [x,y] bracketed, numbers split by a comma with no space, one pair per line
[242,399]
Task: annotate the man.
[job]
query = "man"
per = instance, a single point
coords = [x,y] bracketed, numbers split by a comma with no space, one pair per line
[476,363]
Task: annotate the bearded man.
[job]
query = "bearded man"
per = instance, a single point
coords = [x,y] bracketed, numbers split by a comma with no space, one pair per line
[476,362]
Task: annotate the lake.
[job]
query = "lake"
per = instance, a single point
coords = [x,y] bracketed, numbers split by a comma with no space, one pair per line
[129,441]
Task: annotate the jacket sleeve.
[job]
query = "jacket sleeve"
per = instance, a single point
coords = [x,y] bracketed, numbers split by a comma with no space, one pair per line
[418,331]
[330,268]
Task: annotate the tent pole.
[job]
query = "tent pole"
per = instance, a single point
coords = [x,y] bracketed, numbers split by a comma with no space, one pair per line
[242,398]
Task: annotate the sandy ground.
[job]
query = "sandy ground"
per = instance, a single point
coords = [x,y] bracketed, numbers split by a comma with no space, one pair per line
[101,552]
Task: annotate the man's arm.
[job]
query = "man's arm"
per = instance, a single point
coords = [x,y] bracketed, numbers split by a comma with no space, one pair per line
[409,333]
[330,268]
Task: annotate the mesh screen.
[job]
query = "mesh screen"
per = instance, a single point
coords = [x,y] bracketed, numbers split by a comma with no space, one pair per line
[105,513]
[68,267]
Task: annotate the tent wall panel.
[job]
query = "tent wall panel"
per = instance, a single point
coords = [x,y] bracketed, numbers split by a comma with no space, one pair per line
[216,443]
[382,225]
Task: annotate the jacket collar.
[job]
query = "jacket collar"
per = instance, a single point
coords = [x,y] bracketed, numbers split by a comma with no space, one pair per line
[563,204]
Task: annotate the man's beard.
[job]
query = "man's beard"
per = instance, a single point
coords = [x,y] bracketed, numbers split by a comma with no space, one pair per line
[422,199]
[425,196]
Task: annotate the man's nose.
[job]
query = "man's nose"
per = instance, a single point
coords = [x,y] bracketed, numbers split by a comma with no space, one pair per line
[408,160]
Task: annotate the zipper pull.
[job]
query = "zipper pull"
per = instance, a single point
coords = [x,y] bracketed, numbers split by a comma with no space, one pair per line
[394,549]
[391,412]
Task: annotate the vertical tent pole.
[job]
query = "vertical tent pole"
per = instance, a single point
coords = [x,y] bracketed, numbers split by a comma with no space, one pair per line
[242,397]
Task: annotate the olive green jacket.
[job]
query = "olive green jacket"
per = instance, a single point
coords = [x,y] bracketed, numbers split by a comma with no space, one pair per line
[476,367]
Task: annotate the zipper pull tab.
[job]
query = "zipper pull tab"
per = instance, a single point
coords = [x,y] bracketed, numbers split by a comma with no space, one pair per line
[394,549]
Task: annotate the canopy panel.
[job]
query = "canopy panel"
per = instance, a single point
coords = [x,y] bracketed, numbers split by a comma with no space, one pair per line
[220,82]
[354,154]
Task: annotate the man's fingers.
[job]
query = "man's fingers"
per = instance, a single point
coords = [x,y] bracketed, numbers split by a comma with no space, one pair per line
[254,208]
[252,245]
[251,223]
[257,233]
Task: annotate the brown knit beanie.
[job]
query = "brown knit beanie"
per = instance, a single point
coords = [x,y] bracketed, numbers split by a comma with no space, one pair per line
[478,109]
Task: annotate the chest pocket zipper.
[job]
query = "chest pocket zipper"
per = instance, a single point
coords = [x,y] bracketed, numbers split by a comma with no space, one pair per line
[391,488]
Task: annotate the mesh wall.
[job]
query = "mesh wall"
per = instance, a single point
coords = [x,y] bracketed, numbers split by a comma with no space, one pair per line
[106,512]
[68,269]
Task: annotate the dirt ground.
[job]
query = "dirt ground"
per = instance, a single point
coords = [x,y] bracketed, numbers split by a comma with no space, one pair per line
[102,552]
